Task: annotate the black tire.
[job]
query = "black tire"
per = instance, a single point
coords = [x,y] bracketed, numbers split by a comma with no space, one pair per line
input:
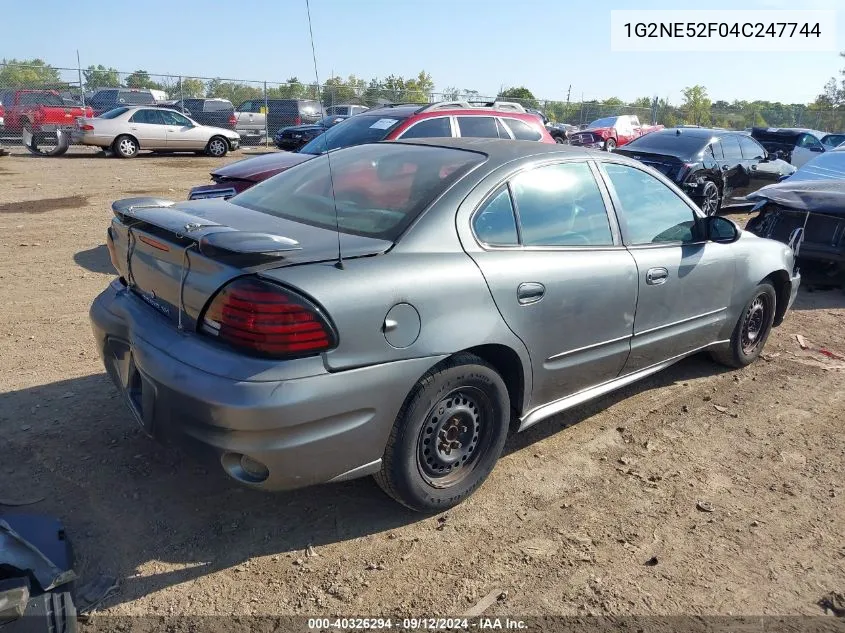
[217,147]
[447,436]
[710,202]
[751,331]
[125,146]
[560,139]
[610,144]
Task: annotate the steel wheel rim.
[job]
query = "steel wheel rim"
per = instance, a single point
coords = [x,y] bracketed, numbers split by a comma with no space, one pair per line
[611,144]
[754,322]
[126,147]
[454,436]
[216,147]
[711,200]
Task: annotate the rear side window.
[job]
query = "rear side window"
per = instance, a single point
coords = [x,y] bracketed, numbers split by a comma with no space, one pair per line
[153,117]
[716,146]
[730,146]
[495,223]
[522,131]
[113,114]
[429,128]
[751,149]
[561,205]
[478,126]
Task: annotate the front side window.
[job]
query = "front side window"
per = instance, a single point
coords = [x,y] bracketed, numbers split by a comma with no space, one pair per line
[561,205]
[148,116]
[478,127]
[429,128]
[809,141]
[522,131]
[651,213]
[495,224]
[174,118]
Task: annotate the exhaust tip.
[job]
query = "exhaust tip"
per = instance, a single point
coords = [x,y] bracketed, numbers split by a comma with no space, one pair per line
[244,468]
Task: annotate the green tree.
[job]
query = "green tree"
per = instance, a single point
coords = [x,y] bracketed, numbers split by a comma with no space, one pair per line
[519,94]
[101,77]
[642,102]
[337,90]
[192,87]
[27,72]
[696,105]
[234,91]
[419,89]
[142,79]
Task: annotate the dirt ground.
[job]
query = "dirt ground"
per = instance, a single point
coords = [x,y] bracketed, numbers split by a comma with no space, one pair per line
[592,512]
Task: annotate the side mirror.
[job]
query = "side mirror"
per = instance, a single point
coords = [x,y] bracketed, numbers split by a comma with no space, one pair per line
[721,230]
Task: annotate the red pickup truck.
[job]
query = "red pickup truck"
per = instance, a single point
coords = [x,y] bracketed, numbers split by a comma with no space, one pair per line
[611,132]
[42,117]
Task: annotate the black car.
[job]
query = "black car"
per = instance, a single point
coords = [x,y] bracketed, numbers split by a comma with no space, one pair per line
[214,112]
[807,211]
[294,137]
[716,168]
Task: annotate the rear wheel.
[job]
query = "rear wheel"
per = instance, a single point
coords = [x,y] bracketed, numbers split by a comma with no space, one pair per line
[448,435]
[217,147]
[710,202]
[560,139]
[610,144]
[751,330]
[125,146]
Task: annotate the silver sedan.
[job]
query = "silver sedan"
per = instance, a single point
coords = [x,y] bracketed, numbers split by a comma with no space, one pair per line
[126,131]
[400,310]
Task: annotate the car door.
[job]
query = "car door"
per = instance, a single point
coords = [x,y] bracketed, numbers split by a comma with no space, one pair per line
[182,133]
[684,283]
[147,125]
[761,171]
[807,147]
[734,175]
[479,127]
[558,274]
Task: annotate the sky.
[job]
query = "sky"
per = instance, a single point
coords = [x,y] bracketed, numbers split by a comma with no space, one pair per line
[545,45]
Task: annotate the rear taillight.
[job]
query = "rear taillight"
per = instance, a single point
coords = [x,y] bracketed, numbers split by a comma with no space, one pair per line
[267,320]
[297,120]
[85,126]
[233,120]
[112,252]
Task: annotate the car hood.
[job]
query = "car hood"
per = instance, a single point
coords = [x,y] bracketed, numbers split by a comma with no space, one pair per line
[261,167]
[819,196]
[303,128]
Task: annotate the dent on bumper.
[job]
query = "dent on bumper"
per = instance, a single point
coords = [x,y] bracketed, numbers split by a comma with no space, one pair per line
[307,430]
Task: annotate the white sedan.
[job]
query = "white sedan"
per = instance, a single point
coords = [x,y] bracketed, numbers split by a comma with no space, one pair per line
[125,131]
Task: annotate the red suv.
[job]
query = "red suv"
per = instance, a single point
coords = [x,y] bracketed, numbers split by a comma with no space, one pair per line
[388,123]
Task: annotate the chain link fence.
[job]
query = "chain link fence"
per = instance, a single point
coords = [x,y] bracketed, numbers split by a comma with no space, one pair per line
[244,104]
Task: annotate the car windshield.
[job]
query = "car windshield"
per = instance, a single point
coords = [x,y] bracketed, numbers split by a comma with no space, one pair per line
[608,121]
[833,140]
[375,190]
[680,145]
[363,128]
[827,166]
[113,114]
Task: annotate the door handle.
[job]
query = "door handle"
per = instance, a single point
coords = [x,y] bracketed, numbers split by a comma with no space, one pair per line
[656,276]
[530,292]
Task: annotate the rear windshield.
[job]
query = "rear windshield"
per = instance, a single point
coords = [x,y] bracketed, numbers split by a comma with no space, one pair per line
[605,122]
[827,166]
[671,143]
[379,189]
[113,114]
[40,98]
[363,128]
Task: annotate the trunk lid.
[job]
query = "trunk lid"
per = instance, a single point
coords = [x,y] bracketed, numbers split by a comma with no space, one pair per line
[156,243]
[669,166]
[259,168]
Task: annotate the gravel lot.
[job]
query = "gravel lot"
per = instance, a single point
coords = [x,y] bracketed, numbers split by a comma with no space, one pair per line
[565,525]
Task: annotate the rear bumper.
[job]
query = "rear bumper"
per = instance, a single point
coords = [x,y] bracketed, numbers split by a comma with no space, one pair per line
[313,428]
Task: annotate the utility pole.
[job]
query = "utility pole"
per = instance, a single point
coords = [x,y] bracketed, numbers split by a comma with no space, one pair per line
[568,92]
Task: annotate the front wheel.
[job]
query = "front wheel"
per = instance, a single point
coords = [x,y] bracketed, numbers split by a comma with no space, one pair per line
[217,147]
[610,144]
[751,330]
[448,435]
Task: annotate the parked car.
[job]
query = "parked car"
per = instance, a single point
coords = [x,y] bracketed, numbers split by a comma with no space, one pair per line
[807,211]
[612,132]
[346,110]
[257,119]
[832,140]
[126,131]
[294,137]
[443,119]
[716,168]
[107,99]
[214,112]
[42,118]
[3,152]
[794,145]
[295,372]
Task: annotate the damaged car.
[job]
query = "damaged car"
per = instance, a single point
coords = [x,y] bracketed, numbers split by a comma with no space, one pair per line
[794,145]
[807,211]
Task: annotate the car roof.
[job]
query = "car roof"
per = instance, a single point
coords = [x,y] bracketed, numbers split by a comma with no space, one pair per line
[504,150]
[703,132]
